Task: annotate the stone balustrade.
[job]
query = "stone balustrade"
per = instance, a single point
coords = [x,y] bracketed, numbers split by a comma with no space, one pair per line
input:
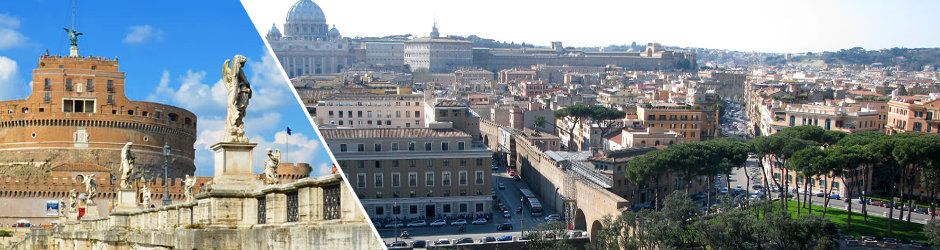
[306,201]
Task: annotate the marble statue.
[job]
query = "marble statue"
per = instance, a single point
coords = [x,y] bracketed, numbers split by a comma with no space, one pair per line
[127,164]
[189,182]
[144,193]
[91,188]
[73,196]
[239,92]
[270,166]
[63,211]
[73,36]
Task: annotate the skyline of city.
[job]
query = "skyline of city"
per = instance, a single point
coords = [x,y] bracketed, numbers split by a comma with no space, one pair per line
[792,27]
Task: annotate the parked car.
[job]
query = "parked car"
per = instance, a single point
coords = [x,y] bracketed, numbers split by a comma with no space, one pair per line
[527,236]
[394,224]
[464,240]
[507,214]
[417,223]
[419,243]
[548,235]
[479,221]
[505,237]
[921,210]
[442,242]
[502,186]
[576,234]
[516,178]
[835,196]
[398,244]
[819,194]
[552,217]
[504,226]
[724,190]
[486,239]
[438,223]
[757,186]
[876,203]
[460,222]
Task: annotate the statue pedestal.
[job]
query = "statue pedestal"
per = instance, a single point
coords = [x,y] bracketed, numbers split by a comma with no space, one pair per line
[127,199]
[233,166]
[91,211]
[73,51]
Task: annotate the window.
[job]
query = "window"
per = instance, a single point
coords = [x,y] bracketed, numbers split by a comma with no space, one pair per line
[446,163]
[429,179]
[445,178]
[479,178]
[47,98]
[110,86]
[110,100]
[461,145]
[462,178]
[396,209]
[378,179]
[417,113]
[361,147]
[394,146]
[68,84]
[479,161]
[78,106]
[413,209]
[89,86]
[378,164]
[412,163]
[411,146]
[413,179]
[395,163]
[463,207]
[429,163]
[479,207]
[398,114]
[47,86]
[427,146]
[445,146]
[396,179]
[361,180]
[342,147]
[379,210]
[463,163]
[359,113]
[378,147]
[368,114]
[446,208]
[443,113]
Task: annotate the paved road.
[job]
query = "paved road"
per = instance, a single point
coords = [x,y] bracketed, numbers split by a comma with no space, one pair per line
[509,196]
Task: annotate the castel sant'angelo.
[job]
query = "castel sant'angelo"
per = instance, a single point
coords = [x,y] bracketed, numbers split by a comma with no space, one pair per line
[78,117]
[75,124]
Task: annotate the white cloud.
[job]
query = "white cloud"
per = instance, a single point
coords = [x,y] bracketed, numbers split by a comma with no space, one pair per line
[143,33]
[9,37]
[192,94]
[11,84]
[323,169]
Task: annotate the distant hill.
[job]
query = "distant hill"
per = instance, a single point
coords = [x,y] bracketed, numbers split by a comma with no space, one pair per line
[907,59]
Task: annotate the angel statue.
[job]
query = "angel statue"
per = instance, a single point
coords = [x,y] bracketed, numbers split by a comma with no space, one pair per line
[91,188]
[189,182]
[73,195]
[144,192]
[127,164]
[73,36]
[270,166]
[239,91]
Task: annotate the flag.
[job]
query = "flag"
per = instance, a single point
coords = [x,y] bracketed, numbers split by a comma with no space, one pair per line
[288,130]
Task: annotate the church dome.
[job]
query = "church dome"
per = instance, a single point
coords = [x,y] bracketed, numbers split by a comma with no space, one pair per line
[306,11]
[274,33]
[334,32]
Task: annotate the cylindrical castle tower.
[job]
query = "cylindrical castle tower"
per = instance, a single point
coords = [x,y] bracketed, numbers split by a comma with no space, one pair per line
[78,114]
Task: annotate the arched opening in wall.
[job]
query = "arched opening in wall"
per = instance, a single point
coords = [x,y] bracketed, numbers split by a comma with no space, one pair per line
[595,227]
[173,116]
[79,178]
[188,121]
[579,222]
[486,140]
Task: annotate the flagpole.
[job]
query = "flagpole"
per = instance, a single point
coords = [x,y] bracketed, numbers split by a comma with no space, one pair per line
[287,142]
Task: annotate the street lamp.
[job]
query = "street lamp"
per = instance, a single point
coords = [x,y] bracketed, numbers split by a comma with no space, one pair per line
[166,163]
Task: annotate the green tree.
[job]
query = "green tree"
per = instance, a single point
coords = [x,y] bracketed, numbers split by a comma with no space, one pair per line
[574,114]
[932,231]
[539,122]
[606,119]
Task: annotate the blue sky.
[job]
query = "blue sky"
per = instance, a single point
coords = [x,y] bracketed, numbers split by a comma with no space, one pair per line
[172,53]
[743,25]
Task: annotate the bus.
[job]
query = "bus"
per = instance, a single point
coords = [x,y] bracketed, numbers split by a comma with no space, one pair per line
[535,207]
[527,193]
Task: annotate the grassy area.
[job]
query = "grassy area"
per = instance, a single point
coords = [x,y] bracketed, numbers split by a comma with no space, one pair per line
[877,226]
